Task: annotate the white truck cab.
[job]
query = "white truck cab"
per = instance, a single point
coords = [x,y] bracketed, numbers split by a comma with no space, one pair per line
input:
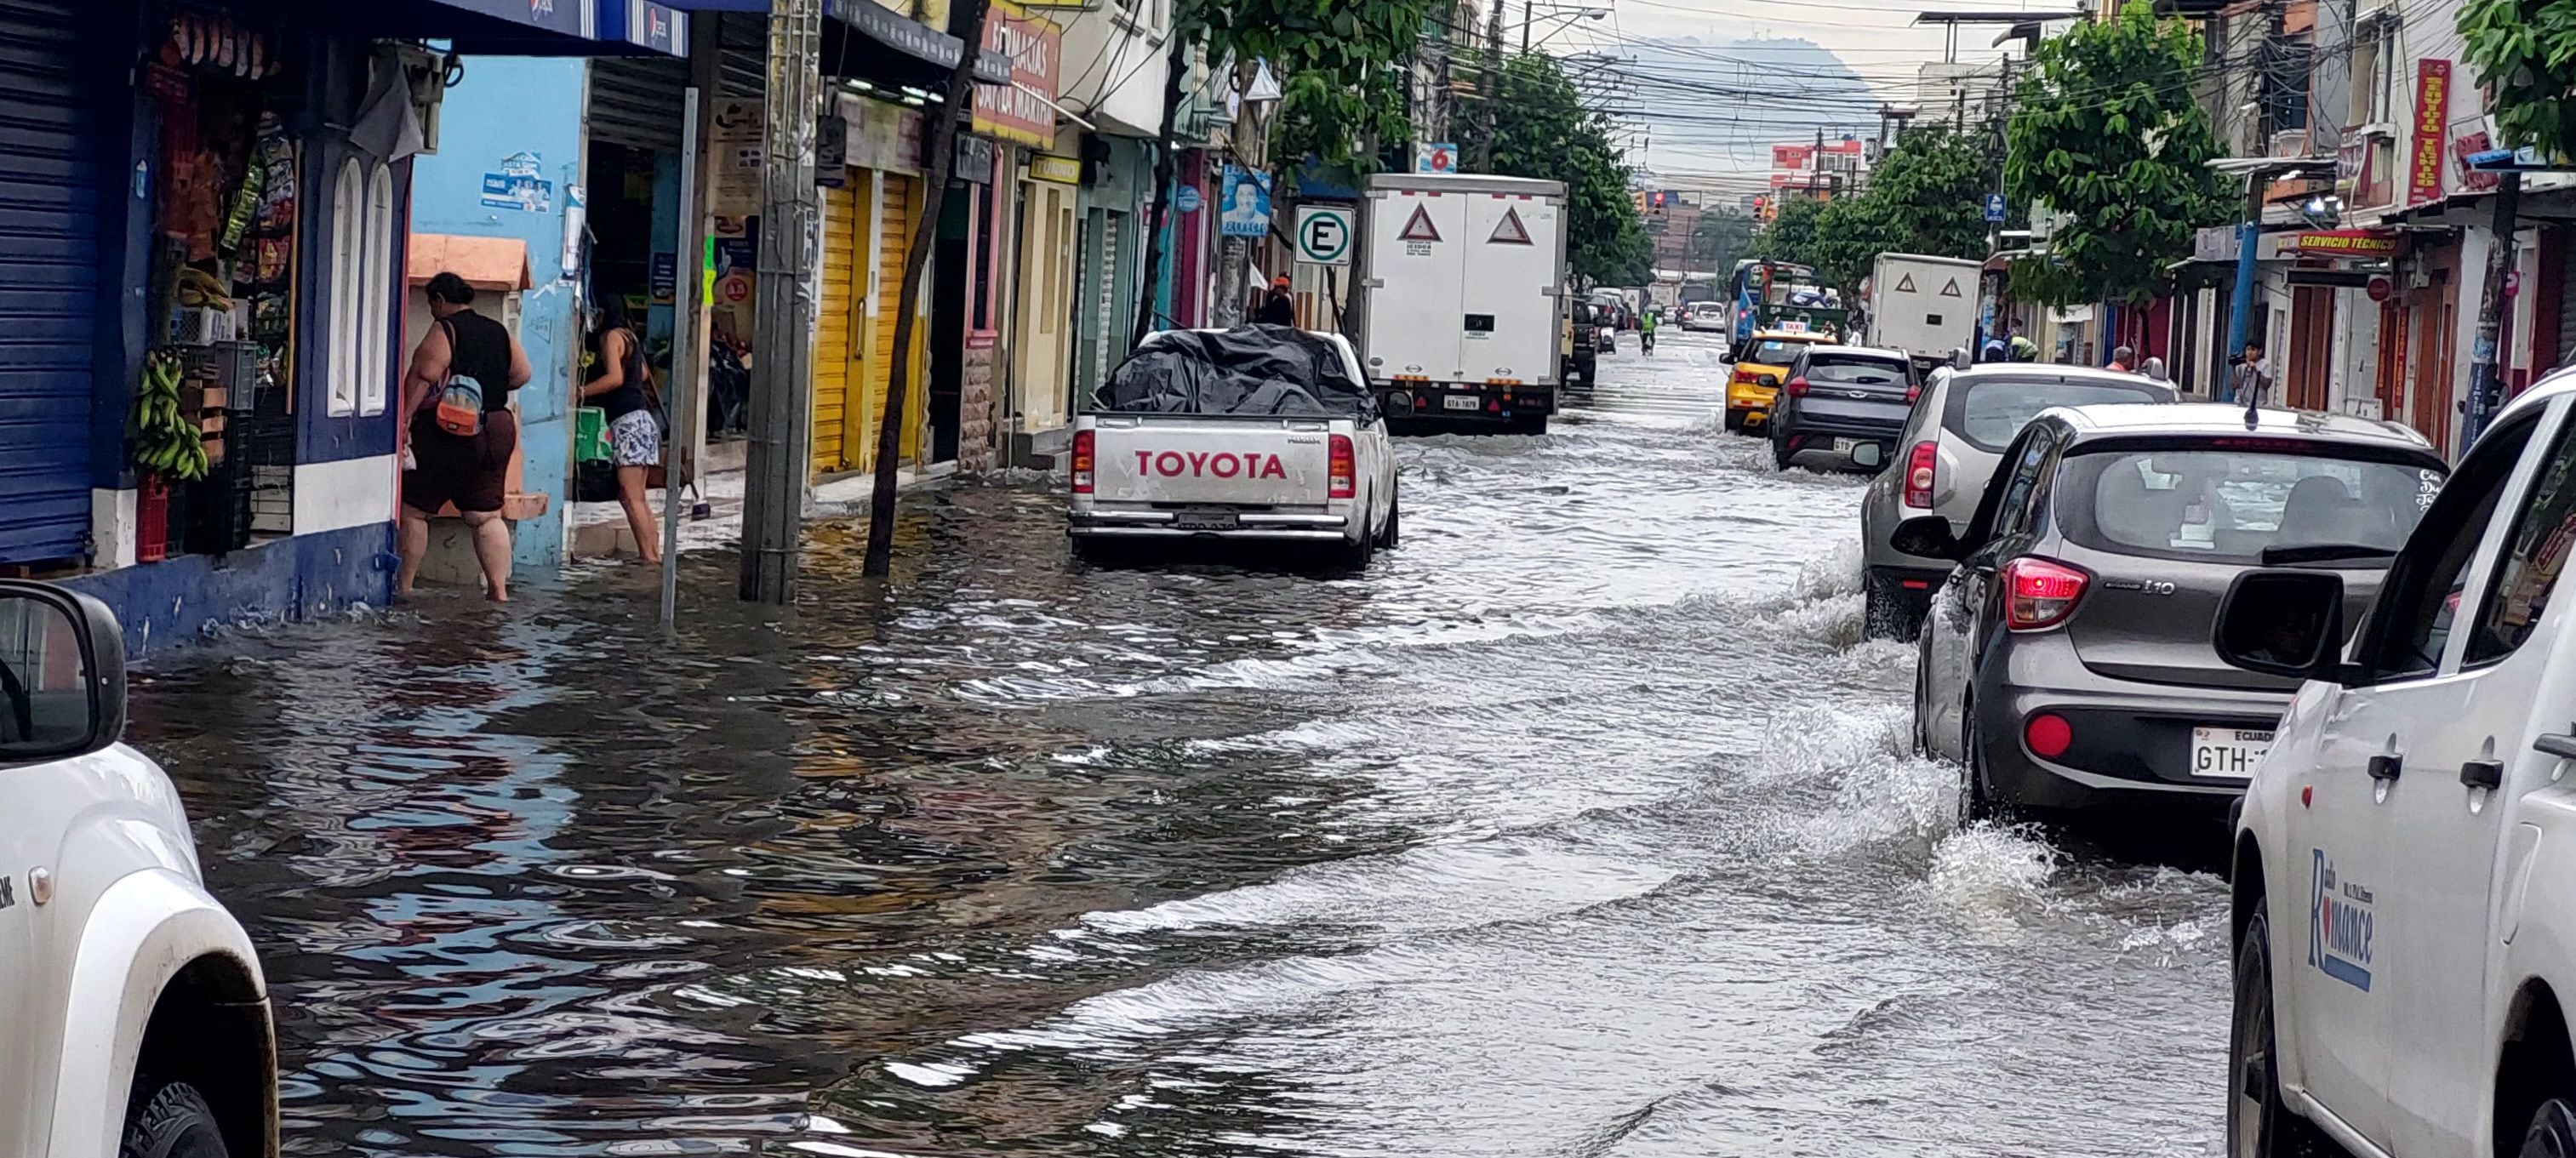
[134,1019]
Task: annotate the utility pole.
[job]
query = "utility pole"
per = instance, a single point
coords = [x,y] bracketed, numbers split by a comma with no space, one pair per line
[2240,314]
[2486,377]
[1490,84]
[1525,25]
[1252,151]
[773,501]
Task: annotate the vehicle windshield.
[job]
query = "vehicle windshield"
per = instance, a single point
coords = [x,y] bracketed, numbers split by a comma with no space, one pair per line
[1989,412]
[2228,505]
[1774,352]
[1843,368]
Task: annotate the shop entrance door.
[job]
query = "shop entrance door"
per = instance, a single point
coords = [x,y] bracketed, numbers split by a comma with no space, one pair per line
[2311,346]
[2431,383]
[50,148]
[951,281]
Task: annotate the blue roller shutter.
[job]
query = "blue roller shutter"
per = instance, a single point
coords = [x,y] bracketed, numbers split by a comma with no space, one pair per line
[49,259]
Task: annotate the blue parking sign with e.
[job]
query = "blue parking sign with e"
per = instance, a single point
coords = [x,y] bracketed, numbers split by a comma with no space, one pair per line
[1995,208]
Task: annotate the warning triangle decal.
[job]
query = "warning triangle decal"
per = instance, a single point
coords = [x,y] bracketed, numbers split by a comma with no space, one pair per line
[1420,228]
[1951,290]
[1510,231]
[1905,285]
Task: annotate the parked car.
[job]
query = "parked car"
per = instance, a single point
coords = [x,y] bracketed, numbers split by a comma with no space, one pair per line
[2068,662]
[1259,433]
[1948,449]
[2421,775]
[1755,385]
[1584,346]
[135,1017]
[1848,402]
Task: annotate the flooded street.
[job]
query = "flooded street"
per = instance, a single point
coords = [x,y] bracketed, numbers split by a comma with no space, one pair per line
[1582,825]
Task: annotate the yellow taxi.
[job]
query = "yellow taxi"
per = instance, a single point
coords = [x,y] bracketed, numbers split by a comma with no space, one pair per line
[1748,397]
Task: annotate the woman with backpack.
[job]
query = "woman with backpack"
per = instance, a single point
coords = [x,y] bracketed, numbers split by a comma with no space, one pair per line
[462,431]
[619,383]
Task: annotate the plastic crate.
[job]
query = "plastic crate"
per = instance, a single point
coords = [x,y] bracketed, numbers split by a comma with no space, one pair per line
[152,521]
[590,441]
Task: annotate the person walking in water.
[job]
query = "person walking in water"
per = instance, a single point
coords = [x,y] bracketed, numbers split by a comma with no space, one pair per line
[617,380]
[457,401]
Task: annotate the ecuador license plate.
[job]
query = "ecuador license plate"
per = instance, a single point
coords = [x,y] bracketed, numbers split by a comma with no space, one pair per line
[1463,402]
[1198,520]
[1845,446]
[2228,753]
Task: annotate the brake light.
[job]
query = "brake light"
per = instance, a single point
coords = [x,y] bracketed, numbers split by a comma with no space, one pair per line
[1922,471]
[2040,593]
[1743,378]
[1797,387]
[1083,443]
[1913,393]
[1345,470]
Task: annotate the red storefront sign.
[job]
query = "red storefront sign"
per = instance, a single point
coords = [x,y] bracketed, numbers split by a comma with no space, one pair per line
[1019,111]
[2432,117]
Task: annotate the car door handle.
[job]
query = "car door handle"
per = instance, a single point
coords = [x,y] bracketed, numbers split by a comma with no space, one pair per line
[2558,744]
[2482,773]
[2387,766]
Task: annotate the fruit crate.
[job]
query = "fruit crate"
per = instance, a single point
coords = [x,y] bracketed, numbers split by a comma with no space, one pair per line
[265,456]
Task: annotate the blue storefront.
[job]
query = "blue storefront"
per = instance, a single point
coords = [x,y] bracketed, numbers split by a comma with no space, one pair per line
[225,184]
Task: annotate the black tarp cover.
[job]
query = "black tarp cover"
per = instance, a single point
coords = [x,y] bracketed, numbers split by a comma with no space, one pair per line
[1250,369]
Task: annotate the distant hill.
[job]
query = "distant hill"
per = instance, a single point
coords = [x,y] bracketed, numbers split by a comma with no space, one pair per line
[1717,106]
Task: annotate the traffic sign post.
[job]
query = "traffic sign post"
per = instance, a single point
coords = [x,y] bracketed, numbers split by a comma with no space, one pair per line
[1324,234]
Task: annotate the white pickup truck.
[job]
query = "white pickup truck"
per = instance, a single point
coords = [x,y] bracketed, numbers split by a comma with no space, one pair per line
[1256,433]
[134,1019]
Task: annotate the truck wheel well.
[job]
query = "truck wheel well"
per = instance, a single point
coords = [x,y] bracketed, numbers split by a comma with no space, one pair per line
[210,1029]
[2244,888]
[2534,1065]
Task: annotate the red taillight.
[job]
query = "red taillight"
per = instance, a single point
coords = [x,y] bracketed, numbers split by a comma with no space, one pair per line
[1345,468]
[2040,592]
[2048,735]
[1913,393]
[1797,387]
[1743,378]
[1922,469]
[1083,442]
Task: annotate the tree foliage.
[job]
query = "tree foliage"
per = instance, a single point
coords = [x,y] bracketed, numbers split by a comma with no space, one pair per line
[2105,130]
[2526,49]
[1339,64]
[1540,129]
[1719,239]
[1926,196]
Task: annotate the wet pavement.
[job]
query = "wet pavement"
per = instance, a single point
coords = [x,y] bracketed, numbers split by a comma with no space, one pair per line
[1582,825]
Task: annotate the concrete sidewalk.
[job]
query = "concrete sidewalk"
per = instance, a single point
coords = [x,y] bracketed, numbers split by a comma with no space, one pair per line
[713,515]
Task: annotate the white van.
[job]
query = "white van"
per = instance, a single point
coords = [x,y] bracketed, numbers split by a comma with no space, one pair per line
[133,1015]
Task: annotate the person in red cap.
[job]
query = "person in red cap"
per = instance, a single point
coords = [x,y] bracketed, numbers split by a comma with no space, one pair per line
[1280,309]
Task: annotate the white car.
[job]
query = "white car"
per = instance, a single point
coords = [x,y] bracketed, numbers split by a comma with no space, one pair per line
[2422,775]
[1237,435]
[134,1018]
[1707,317]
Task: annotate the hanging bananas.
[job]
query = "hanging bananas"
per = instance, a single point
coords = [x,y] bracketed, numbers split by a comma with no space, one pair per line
[166,442]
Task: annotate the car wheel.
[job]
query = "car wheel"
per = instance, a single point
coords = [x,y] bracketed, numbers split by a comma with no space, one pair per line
[2553,1131]
[2259,1124]
[1390,536]
[1357,556]
[1922,709]
[1975,800]
[1780,454]
[1734,421]
[174,1122]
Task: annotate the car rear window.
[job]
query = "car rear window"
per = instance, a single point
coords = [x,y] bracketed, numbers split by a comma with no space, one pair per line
[1776,353]
[1988,412]
[1855,370]
[2227,505]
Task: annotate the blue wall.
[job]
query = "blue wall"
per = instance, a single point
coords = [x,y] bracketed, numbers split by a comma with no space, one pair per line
[509,106]
[293,580]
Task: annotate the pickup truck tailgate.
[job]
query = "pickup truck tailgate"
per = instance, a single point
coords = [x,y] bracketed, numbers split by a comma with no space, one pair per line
[1215,461]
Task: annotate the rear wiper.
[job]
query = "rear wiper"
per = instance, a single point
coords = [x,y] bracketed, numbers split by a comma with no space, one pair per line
[2323,553]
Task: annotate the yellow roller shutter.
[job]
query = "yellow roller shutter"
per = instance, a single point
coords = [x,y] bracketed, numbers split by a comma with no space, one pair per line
[833,348]
[894,234]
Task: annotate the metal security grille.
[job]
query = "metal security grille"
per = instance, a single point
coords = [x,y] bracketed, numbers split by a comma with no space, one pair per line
[49,284]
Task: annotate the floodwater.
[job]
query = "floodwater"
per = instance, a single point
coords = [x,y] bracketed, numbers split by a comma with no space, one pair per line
[1582,825]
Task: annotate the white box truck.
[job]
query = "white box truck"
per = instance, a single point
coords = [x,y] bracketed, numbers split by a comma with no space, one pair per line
[1925,306]
[1461,311]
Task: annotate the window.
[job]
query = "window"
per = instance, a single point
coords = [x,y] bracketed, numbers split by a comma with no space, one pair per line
[2410,623]
[348,223]
[1774,352]
[1844,369]
[376,307]
[2229,505]
[1987,412]
[2542,535]
[2018,512]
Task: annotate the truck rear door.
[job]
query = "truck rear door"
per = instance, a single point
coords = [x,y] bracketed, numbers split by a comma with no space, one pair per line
[1414,306]
[1213,461]
[1508,300]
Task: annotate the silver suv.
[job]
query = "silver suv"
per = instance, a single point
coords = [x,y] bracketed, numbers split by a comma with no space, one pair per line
[1950,445]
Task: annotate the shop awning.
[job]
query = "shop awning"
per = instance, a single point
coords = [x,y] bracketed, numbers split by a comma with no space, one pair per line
[578,18]
[491,264]
[916,41]
[517,27]
[651,27]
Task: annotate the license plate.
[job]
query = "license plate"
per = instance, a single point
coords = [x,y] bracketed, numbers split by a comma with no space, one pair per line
[1206,520]
[1845,445]
[2228,753]
[1463,402]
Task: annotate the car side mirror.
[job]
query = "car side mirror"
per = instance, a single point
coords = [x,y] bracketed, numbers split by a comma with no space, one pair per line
[2283,623]
[1866,455]
[1930,537]
[62,674]
[1770,381]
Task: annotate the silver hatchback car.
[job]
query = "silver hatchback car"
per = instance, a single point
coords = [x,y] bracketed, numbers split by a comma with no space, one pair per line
[1950,444]
[2068,661]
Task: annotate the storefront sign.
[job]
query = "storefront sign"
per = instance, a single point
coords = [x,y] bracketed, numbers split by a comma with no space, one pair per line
[646,24]
[915,39]
[517,186]
[1187,199]
[884,136]
[666,278]
[975,160]
[2356,243]
[2468,145]
[1049,167]
[734,151]
[2432,116]
[569,17]
[1021,110]
[2215,243]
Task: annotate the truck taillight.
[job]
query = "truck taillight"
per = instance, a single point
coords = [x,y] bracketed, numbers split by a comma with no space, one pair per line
[1345,468]
[1922,470]
[1083,443]
[2040,592]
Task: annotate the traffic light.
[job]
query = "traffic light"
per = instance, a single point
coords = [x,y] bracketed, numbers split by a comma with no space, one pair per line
[1764,210]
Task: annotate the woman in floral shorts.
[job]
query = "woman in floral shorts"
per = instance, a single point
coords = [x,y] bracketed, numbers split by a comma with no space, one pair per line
[615,384]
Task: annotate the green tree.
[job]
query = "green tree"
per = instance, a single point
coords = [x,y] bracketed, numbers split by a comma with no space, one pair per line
[1540,129]
[2105,131]
[1719,239]
[2526,49]
[1930,192]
